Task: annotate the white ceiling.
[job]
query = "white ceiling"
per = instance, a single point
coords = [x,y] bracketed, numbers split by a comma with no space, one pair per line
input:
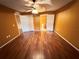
[19,5]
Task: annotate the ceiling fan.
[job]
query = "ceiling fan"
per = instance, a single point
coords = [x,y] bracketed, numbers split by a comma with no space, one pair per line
[36,6]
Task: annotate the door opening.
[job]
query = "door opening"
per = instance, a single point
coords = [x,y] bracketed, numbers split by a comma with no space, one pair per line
[44,22]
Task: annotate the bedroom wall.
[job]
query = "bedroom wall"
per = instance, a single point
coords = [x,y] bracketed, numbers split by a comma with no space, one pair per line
[8,25]
[67,23]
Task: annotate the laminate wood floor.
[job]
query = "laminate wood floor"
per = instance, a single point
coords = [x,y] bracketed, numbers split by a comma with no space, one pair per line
[38,45]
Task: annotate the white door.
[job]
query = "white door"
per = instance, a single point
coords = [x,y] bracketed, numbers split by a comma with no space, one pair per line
[50,22]
[27,23]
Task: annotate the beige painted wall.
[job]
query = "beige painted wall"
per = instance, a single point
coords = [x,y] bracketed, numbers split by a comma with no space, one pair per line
[36,21]
[67,24]
[8,25]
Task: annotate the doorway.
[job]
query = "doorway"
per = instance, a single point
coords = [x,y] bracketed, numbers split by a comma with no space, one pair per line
[50,22]
[44,22]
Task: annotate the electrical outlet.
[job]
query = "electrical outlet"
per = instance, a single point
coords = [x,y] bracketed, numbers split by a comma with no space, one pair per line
[8,36]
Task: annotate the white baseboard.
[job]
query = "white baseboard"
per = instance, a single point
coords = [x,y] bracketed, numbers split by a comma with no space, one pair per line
[67,41]
[9,41]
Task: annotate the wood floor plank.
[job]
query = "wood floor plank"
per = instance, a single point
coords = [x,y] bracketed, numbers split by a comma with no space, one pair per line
[38,45]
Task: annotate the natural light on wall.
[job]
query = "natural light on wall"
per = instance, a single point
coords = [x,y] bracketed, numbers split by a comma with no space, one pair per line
[43,21]
[42,28]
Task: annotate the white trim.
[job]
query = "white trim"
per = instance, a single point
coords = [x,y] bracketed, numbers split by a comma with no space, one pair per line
[18,23]
[67,41]
[10,41]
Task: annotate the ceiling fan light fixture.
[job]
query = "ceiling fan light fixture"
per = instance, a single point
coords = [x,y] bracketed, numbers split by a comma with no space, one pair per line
[34,11]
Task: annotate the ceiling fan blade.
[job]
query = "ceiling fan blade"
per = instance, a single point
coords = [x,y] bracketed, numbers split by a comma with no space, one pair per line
[44,2]
[28,1]
[28,5]
[47,6]
[28,10]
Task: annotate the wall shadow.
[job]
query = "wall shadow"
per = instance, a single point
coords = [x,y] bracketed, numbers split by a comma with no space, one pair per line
[69,5]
